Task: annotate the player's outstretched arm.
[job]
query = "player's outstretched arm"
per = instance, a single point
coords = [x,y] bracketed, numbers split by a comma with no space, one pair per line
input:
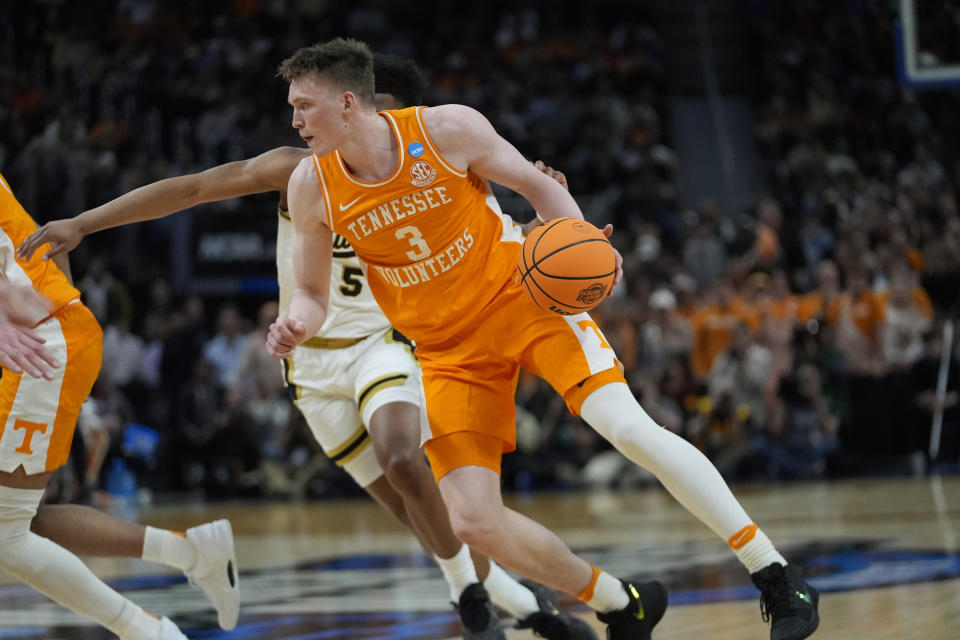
[312,253]
[468,140]
[267,172]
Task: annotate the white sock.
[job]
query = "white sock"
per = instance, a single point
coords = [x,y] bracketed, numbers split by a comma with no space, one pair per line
[608,594]
[169,548]
[508,594]
[682,468]
[458,571]
[133,623]
[757,552]
[60,575]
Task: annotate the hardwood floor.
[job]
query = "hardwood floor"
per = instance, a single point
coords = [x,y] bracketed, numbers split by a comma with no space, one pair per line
[883,552]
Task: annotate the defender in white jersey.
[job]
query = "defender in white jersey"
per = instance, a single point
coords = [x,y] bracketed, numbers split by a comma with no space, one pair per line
[355,364]
[356,381]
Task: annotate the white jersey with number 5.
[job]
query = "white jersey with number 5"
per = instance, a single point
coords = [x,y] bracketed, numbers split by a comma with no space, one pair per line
[352,311]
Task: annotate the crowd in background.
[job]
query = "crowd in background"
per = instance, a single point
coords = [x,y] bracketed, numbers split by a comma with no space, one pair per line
[797,339]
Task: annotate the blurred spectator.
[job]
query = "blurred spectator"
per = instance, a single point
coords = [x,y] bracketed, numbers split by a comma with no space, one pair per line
[258,374]
[908,315]
[713,325]
[740,377]
[225,350]
[122,352]
[803,433]
[665,336]
[857,315]
[106,296]
[705,255]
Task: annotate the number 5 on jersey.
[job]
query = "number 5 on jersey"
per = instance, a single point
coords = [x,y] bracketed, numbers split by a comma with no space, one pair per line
[352,282]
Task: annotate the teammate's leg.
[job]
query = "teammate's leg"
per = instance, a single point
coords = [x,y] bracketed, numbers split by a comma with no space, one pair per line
[205,553]
[37,418]
[57,573]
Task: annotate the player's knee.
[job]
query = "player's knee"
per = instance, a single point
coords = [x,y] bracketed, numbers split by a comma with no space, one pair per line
[405,469]
[15,557]
[476,526]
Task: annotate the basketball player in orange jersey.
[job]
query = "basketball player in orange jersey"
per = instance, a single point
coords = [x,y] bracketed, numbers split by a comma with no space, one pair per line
[408,189]
[355,384]
[38,412]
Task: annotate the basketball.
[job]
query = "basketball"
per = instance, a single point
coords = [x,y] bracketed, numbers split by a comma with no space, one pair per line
[567,266]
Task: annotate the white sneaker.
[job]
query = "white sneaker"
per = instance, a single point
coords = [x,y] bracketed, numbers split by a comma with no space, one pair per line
[215,571]
[169,631]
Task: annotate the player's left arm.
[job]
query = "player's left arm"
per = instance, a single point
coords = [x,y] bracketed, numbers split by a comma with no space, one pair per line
[468,140]
[560,179]
[312,254]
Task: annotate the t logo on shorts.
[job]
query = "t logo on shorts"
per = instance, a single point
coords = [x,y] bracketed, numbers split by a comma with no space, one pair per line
[590,324]
[30,428]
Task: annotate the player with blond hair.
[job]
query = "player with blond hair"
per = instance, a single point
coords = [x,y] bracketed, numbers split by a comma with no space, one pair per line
[408,189]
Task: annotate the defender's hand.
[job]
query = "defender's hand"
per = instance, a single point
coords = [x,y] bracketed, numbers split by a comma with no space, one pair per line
[63,236]
[608,231]
[552,173]
[284,336]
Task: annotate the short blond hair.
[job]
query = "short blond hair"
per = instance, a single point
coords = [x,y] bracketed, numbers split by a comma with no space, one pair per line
[348,63]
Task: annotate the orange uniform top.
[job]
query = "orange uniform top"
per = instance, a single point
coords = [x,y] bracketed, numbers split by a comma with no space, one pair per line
[436,245]
[713,328]
[920,298]
[866,312]
[42,274]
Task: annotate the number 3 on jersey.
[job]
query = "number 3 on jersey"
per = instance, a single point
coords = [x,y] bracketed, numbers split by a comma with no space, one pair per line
[352,282]
[415,238]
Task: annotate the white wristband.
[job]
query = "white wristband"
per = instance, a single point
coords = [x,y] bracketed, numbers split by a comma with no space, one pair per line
[540,217]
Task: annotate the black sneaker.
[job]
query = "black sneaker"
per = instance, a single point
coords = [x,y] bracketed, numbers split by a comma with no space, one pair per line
[550,622]
[787,601]
[476,614]
[648,601]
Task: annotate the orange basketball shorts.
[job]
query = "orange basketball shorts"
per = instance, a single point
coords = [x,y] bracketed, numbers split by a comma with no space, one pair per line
[37,416]
[469,382]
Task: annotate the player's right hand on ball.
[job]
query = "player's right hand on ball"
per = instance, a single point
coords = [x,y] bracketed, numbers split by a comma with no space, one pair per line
[284,336]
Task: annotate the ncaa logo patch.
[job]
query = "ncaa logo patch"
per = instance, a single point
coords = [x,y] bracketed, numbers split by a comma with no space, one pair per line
[415,149]
[422,174]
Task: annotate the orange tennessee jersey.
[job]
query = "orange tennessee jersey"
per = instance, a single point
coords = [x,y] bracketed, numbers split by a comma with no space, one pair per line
[436,245]
[42,274]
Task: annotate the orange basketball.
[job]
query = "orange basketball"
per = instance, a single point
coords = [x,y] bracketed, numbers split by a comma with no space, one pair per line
[567,266]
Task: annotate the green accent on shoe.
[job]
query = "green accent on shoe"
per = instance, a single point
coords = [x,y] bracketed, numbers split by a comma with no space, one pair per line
[639,615]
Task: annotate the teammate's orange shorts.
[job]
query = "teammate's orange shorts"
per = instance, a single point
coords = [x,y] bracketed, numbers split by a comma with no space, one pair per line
[470,382]
[38,416]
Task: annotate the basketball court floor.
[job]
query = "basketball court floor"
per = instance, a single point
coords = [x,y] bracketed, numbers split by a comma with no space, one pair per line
[883,552]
